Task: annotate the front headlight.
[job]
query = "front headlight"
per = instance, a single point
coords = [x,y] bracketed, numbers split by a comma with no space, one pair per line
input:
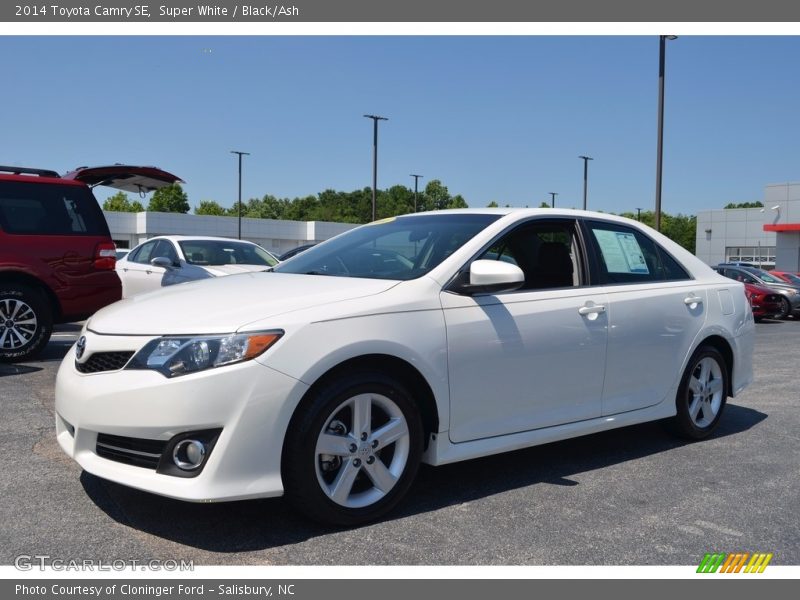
[179,355]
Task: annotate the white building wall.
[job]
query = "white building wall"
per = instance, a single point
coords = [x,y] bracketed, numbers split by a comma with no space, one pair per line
[275,235]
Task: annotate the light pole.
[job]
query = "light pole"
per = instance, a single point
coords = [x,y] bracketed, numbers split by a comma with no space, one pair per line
[240,187]
[375,119]
[553,199]
[586,160]
[662,46]
[639,214]
[416,180]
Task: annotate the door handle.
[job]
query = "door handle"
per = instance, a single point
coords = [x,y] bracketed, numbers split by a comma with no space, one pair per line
[592,310]
[692,300]
[149,272]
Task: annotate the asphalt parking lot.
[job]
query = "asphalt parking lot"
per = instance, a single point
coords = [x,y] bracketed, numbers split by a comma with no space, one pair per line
[631,496]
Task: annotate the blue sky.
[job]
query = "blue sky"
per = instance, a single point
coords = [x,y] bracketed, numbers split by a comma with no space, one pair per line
[494,118]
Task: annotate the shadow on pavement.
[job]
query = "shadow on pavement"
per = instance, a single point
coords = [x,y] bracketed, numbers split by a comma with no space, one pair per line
[259,524]
[12,369]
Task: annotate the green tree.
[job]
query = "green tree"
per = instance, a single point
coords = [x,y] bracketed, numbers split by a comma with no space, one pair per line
[544,205]
[171,198]
[492,204]
[137,206]
[209,207]
[119,202]
[757,204]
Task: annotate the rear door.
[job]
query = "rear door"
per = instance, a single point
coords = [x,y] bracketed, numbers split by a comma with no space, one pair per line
[655,312]
[128,178]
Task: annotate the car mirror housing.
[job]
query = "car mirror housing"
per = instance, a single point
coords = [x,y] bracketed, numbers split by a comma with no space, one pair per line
[162,261]
[489,277]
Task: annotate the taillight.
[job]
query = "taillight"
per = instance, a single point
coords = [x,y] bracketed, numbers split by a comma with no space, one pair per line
[105,256]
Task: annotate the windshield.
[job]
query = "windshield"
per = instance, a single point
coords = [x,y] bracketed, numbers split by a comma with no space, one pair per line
[399,248]
[224,252]
[764,276]
[793,279]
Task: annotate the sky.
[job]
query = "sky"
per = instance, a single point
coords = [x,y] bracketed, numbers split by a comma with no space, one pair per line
[494,118]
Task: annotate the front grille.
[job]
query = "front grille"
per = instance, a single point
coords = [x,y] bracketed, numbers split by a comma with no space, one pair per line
[130,451]
[104,361]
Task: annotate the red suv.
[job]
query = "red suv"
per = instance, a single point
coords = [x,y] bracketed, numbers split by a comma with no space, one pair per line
[56,254]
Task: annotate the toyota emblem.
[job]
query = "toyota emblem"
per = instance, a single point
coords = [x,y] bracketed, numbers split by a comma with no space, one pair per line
[80,347]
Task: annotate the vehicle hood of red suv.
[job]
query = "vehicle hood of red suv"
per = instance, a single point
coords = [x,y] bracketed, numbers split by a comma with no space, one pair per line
[128,178]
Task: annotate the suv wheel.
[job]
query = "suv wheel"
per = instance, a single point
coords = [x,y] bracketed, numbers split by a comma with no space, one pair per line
[26,322]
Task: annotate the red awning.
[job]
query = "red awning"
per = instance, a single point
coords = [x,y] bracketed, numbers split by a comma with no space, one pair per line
[783,227]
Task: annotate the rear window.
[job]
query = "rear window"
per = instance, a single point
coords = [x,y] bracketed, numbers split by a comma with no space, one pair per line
[49,209]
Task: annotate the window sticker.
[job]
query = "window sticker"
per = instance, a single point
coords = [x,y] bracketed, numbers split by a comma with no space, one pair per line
[621,252]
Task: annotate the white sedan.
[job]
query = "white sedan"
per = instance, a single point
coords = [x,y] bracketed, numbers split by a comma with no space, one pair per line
[434,337]
[167,260]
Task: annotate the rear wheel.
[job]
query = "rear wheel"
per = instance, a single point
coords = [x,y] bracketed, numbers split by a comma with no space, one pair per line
[26,322]
[353,450]
[702,394]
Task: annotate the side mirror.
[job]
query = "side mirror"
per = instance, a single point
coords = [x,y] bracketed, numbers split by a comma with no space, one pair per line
[491,277]
[163,262]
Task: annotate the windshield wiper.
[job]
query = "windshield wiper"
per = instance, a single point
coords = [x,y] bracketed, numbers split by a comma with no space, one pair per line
[317,273]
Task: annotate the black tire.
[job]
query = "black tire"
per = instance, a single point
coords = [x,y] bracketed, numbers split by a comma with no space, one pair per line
[683,424]
[786,308]
[305,471]
[23,338]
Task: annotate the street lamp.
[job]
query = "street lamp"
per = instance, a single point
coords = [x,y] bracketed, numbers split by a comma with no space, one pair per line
[553,199]
[240,187]
[416,180]
[638,214]
[586,160]
[375,119]
[662,45]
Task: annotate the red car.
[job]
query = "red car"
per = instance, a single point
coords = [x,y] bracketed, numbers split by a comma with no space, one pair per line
[787,276]
[56,254]
[764,301]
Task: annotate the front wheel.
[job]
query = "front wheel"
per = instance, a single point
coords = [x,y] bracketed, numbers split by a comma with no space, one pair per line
[353,449]
[786,308]
[26,322]
[701,394]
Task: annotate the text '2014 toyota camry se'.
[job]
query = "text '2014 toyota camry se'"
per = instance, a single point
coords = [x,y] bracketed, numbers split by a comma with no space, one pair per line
[434,337]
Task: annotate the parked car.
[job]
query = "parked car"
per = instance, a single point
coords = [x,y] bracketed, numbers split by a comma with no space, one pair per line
[167,260]
[790,294]
[765,302]
[330,378]
[295,251]
[56,254]
[787,276]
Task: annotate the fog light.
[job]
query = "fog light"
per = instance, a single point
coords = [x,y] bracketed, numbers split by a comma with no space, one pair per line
[189,454]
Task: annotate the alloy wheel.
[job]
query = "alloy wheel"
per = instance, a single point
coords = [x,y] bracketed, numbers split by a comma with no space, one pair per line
[706,391]
[18,324]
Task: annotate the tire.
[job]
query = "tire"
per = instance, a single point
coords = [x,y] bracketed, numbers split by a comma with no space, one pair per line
[26,322]
[338,468]
[701,395]
[786,309]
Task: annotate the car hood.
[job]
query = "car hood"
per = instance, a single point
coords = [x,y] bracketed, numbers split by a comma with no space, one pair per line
[225,304]
[221,270]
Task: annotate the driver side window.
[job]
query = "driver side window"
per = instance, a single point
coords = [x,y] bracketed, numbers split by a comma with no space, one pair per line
[545,251]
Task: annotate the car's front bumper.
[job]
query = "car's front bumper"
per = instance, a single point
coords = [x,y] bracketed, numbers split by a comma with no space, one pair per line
[250,402]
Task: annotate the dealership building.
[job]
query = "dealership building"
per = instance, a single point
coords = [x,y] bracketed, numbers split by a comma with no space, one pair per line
[131,229]
[767,236]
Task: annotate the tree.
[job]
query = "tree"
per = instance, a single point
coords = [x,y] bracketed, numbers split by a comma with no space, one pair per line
[209,207]
[119,202]
[544,205]
[137,206]
[171,198]
[757,204]
[492,204]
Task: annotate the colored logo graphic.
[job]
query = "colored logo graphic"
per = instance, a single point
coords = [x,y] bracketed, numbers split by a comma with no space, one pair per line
[743,562]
